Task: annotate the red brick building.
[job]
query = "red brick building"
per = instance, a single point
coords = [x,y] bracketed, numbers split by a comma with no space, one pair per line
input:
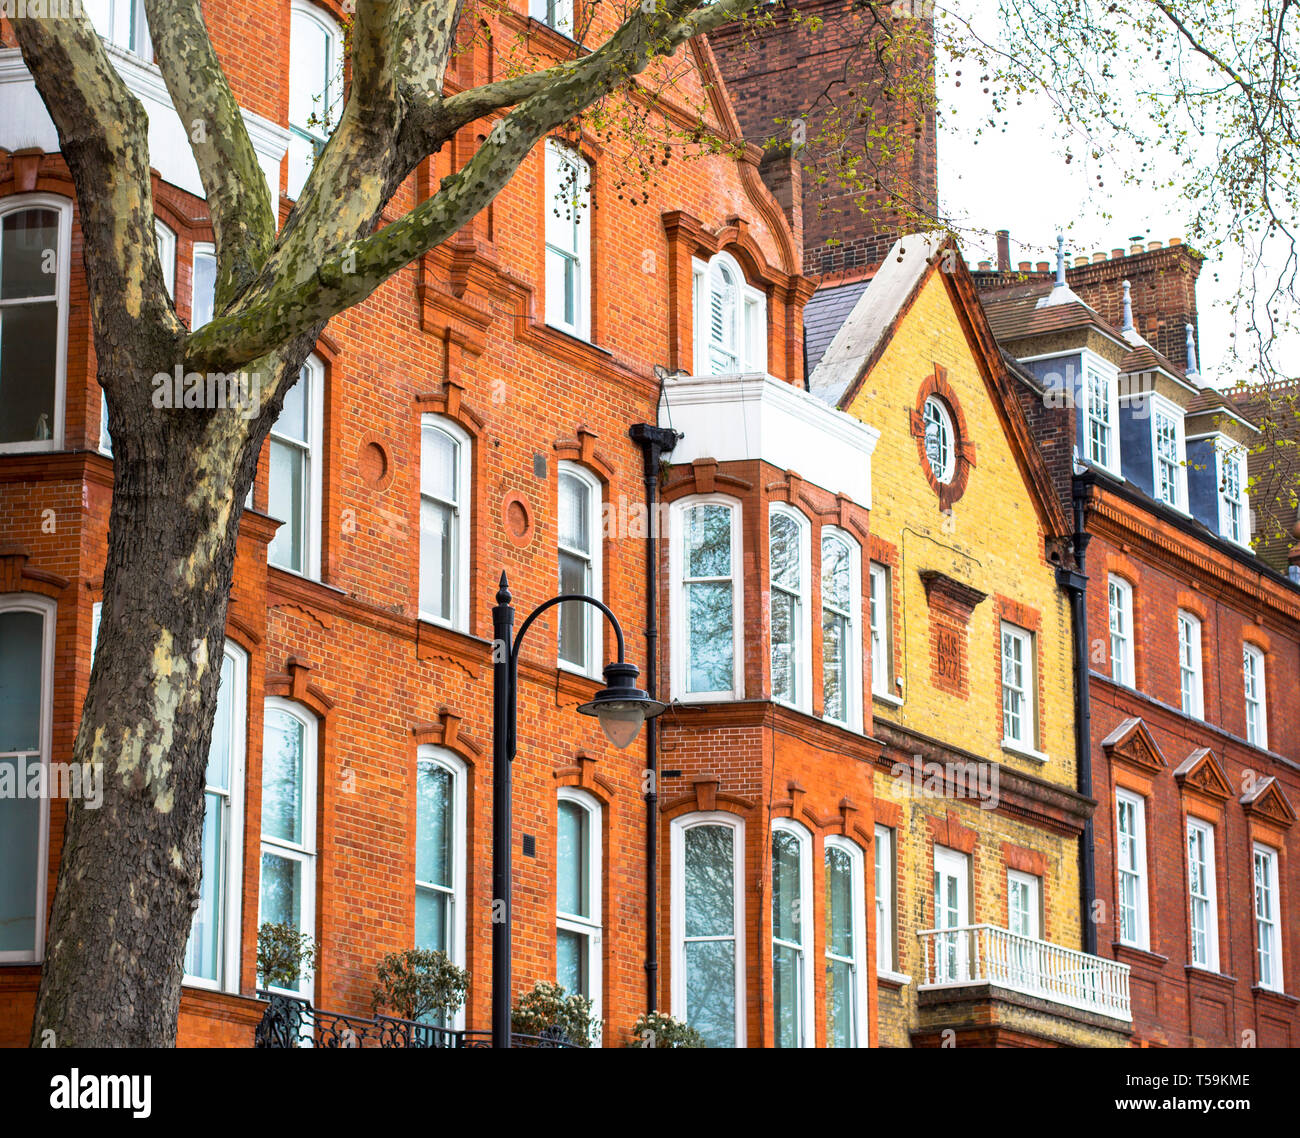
[470,418]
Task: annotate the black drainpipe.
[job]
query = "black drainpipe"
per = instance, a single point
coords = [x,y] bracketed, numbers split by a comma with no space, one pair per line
[1076,582]
[655,442]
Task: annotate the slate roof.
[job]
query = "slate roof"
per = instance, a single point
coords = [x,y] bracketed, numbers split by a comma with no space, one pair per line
[822,317]
[1015,313]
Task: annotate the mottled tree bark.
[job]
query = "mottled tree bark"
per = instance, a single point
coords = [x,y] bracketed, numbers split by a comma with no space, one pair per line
[130,871]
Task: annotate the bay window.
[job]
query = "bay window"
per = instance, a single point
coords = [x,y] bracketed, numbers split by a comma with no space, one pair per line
[706,603]
[730,319]
[577,896]
[212,954]
[708,921]
[841,652]
[444,522]
[294,489]
[788,573]
[287,892]
[791,905]
[26,727]
[845,979]
[579,542]
[35,236]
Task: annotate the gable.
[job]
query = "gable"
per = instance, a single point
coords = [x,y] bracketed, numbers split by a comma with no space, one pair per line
[1132,743]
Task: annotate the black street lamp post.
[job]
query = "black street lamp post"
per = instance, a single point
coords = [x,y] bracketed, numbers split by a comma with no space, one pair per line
[621,707]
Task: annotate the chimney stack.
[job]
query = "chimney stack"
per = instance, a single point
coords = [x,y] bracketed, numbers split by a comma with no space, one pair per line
[1004,250]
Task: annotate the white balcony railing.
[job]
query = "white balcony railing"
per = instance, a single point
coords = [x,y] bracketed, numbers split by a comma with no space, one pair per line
[985,954]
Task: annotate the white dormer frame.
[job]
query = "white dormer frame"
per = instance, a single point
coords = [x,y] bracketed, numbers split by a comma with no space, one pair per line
[751,318]
[1091,362]
[1160,405]
[1229,475]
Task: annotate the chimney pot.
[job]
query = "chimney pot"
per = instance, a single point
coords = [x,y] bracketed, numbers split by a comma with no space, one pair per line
[1044,266]
[1155,245]
[1025,266]
[1080,261]
[1175,241]
[1117,252]
[1135,248]
[1098,257]
[985,266]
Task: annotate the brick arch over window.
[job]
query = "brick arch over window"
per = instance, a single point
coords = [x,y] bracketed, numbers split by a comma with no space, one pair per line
[294,684]
[938,387]
[579,772]
[448,734]
[582,450]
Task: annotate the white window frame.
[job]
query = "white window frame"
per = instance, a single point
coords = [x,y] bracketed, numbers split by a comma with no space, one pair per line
[952,949]
[462,514]
[440,756]
[1255,684]
[1232,464]
[886,948]
[1268,935]
[46,608]
[750,328]
[1138,871]
[233,875]
[555,14]
[677,599]
[803,947]
[853,638]
[165,237]
[857,864]
[594,623]
[880,617]
[305,852]
[1094,366]
[573,204]
[314,135]
[1031,886]
[1121,639]
[1162,408]
[202,250]
[1208,898]
[801,648]
[16,204]
[127,25]
[1191,678]
[313,377]
[677,912]
[1027,738]
[935,411]
[592,927]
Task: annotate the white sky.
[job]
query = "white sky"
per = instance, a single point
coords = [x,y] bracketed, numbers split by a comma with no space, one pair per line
[1016,178]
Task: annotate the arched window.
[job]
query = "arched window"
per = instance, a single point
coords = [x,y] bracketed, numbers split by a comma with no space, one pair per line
[707,605]
[940,440]
[1120,604]
[792,903]
[212,954]
[315,88]
[578,883]
[846,999]
[708,921]
[122,23]
[444,522]
[1190,683]
[578,539]
[841,635]
[1252,664]
[35,235]
[441,850]
[288,872]
[788,571]
[297,459]
[26,727]
[568,239]
[730,319]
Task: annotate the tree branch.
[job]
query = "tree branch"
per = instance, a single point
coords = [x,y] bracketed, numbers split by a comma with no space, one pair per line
[239,201]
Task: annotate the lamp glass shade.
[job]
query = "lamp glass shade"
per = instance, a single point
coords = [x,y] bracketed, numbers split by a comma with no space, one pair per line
[621,721]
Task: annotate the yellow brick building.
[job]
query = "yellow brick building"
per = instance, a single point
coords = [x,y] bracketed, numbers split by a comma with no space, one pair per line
[978,815]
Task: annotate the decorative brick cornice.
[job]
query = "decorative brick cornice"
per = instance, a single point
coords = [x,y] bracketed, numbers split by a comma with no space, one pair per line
[955,597]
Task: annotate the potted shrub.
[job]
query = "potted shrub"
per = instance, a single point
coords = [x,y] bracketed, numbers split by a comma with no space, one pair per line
[548,1011]
[420,984]
[655,1029]
[283,953]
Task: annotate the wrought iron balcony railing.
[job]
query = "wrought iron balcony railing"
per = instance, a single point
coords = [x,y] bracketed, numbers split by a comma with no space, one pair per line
[290,1021]
[986,954]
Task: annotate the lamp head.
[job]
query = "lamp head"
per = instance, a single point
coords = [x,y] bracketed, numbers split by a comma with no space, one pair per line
[621,707]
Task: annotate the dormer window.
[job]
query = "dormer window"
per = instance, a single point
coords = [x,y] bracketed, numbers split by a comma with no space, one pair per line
[730,319]
[1168,450]
[1233,523]
[1099,418]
